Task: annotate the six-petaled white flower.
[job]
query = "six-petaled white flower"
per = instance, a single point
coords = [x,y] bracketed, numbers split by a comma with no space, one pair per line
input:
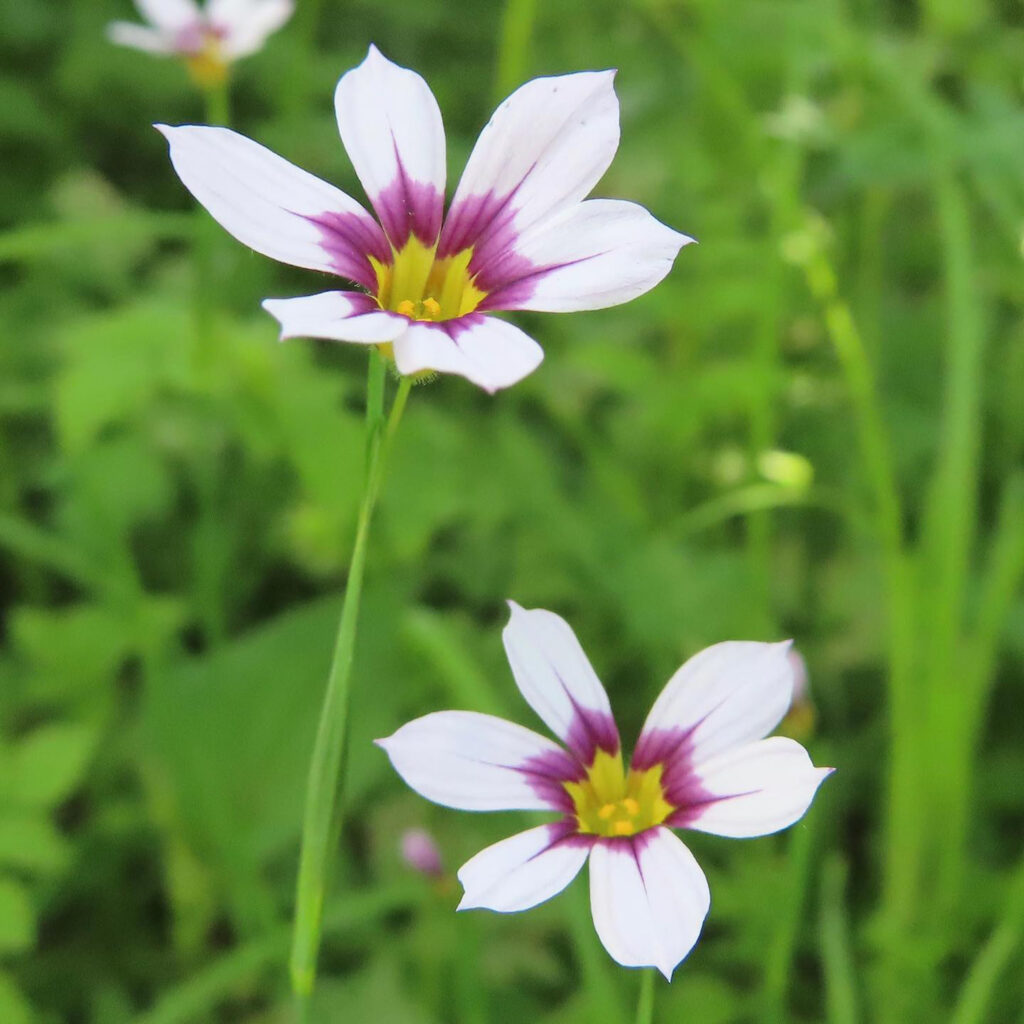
[701,762]
[518,234]
[209,38]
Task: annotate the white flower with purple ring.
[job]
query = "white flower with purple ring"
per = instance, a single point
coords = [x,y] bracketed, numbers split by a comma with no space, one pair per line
[701,762]
[519,234]
[210,37]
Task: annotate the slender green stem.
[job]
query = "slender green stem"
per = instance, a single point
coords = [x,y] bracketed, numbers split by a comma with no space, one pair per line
[604,1001]
[905,810]
[322,817]
[837,959]
[218,103]
[514,46]
[645,1001]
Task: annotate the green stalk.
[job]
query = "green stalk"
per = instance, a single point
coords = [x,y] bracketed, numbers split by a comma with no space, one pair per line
[514,46]
[781,951]
[905,808]
[322,818]
[837,960]
[605,1004]
[645,1001]
[209,569]
[907,823]
[948,538]
[218,103]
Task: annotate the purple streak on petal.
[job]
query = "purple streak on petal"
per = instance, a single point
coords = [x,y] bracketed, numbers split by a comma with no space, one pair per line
[673,750]
[485,224]
[456,327]
[349,239]
[590,731]
[409,207]
[546,774]
[475,215]
[564,834]
[635,844]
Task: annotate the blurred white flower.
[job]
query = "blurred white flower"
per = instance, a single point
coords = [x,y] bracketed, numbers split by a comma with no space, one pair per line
[517,236]
[700,763]
[210,37]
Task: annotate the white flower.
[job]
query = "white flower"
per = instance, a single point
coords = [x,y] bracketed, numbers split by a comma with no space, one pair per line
[211,37]
[518,234]
[700,763]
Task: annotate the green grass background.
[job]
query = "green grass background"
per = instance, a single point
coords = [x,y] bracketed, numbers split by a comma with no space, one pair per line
[813,428]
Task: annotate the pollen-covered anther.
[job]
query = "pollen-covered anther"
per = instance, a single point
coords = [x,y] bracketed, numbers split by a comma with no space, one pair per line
[612,801]
[426,309]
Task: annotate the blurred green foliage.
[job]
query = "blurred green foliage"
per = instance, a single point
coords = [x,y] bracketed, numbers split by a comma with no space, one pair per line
[813,428]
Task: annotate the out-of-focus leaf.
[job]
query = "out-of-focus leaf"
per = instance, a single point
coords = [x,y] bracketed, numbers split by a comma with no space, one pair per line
[17,920]
[43,768]
[30,843]
[116,365]
[14,1007]
[376,994]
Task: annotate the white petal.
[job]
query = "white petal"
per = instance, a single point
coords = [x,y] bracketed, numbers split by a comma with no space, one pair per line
[485,350]
[170,15]
[339,316]
[275,207]
[477,762]
[649,899]
[752,790]
[139,37]
[524,870]
[248,23]
[391,126]
[543,150]
[599,253]
[554,675]
[725,696]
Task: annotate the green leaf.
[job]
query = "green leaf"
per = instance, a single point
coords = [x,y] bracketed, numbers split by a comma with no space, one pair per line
[116,365]
[17,919]
[14,1007]
[46,766]
[29,842]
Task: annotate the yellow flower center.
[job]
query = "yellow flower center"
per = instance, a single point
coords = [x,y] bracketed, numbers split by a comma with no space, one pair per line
[613,802]
[419,286]
[208,67]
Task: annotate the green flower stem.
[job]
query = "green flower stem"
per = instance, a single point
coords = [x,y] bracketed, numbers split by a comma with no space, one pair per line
[645,1001]
[322,819]
[218,103]
[514,45]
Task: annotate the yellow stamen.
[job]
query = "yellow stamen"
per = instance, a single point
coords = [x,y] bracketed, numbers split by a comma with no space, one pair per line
[418,285]
[613,802]
[208,67]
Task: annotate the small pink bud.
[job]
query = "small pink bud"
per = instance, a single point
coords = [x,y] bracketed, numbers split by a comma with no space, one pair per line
[420,852]
[800,719]
[799,667]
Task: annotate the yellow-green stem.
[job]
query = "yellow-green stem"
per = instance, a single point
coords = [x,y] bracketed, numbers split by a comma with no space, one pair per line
[323,810]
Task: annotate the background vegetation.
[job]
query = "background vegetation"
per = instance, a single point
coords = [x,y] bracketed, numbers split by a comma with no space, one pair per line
[813,429]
